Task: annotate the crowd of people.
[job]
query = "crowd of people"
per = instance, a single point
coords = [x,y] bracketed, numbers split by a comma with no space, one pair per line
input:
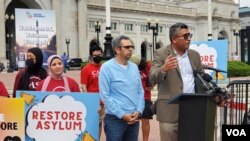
[124,86]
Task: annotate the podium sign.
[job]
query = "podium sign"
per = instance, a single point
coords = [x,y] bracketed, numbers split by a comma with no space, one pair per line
[196,116]
[11,119]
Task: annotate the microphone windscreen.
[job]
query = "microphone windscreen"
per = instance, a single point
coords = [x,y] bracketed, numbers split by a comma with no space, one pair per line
[195,73]
[207,77]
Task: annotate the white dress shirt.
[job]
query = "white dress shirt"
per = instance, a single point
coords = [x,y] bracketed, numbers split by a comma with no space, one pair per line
[186,73]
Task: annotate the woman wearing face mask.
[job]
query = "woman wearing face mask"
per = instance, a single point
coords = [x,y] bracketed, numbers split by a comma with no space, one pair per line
[29,78]
[57,81]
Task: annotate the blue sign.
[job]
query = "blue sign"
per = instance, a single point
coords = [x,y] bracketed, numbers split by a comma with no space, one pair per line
[213,54]
[61,116]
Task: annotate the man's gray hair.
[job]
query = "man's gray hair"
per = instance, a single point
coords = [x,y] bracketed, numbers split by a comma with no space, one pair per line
[175,29]
[116,42]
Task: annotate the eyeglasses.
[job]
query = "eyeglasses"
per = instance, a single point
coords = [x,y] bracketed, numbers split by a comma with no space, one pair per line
[186,36]
[128,47]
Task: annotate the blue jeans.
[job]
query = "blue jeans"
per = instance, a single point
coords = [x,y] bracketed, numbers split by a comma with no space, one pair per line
[118,130]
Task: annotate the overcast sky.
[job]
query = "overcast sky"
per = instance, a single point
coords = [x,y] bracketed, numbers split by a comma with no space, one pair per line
[243,3]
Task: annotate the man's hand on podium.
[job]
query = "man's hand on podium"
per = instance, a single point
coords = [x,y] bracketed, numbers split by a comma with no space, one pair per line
[220,101]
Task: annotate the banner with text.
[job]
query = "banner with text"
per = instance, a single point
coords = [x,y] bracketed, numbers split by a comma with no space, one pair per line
[11,119]
[214,55]
[61,116]
[35,28]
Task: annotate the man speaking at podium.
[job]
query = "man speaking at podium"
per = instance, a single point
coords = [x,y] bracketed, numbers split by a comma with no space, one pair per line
[173,70]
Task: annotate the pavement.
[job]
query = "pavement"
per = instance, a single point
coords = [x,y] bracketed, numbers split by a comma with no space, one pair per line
[9,78]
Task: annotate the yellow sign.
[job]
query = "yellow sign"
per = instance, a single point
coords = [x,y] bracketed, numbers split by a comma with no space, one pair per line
[11,119]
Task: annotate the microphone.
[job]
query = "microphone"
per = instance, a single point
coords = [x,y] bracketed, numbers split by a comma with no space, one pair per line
[211,68]
[209,79]
[216,89]
[204,83]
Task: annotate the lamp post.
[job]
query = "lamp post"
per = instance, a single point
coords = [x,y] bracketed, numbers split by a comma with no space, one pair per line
[153,25]
[67,40]
[10,36]
[236,30]
[97,30]
[108,50]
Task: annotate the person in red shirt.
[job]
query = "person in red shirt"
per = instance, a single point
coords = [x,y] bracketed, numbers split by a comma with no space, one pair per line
[147,114]
[3,90]
[57,81]
[29,78]
[89,78]
[144,68]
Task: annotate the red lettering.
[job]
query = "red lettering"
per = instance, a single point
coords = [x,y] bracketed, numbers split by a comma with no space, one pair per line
[68,125]
[64,115]
[42,115]
[210,64]
[211,58]
[49,115]
[78,115]
[54,124]
[46,125]
[57,114]
[60,126]
[207,58]
[39,125]
[44,120]
[71,115]
[78,124]
[34,115]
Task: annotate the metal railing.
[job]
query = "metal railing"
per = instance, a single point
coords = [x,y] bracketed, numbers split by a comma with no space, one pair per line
[237,104]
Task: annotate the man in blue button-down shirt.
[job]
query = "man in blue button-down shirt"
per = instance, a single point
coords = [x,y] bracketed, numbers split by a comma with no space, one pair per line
[122,93]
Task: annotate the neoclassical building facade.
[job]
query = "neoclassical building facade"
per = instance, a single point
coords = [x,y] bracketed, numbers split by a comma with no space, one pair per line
[75,20]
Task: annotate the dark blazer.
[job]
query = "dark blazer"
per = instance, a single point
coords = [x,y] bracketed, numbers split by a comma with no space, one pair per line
[170,84]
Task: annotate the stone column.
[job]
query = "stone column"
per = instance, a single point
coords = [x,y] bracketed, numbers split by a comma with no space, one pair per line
[2,31]
[138,37]
[209,18]
[83,48]
[121,27]
[56,5]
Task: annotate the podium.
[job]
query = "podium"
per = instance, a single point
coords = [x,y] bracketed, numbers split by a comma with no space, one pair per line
[196,116]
